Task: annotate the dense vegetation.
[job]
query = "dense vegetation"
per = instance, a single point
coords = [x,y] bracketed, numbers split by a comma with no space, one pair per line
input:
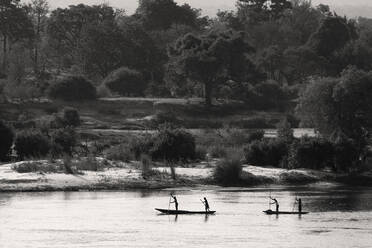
[303,61]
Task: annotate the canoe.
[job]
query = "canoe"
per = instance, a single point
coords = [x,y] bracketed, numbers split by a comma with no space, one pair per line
[169,211]
[282,212]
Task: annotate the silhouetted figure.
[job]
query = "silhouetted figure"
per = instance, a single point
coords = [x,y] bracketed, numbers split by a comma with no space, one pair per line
[175,201]
[299,205]
[275,201]
[206,204]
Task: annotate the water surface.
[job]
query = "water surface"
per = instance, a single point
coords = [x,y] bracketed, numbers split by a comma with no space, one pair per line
[340,217]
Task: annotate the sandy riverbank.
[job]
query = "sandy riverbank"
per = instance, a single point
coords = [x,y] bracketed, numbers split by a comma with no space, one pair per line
[128,177]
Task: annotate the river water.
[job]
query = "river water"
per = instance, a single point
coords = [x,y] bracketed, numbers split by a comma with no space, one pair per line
[340,217]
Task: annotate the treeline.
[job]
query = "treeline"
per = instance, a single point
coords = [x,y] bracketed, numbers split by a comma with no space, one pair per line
[263,53]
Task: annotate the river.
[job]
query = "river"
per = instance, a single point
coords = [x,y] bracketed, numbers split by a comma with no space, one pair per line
[339,217]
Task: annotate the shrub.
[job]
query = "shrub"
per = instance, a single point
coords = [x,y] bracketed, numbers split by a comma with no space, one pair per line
[73,88]
[217,151]
[126,82]
[63,141]
[6,141]
[145,166]
[228,171]
[29,167]
[267,152]
[71,117]
[200,152]
[88,164]
[255,135]
[165,117]
[312,153]
[32,143]
[346,155]
[173,145]
[120,152]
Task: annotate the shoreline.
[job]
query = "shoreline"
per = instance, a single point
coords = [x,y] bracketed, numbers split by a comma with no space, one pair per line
[129,178]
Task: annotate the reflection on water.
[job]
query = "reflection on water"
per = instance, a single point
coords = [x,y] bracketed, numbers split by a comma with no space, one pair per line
[340,217]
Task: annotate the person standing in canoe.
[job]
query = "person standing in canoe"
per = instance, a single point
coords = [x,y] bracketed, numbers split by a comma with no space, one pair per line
[275,201]
[299,205]
[206,204]
[175,202]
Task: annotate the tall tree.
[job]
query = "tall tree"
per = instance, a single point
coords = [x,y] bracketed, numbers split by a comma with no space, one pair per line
[39,10]
[14,25]
[89,37]
[213,58]
[162,14]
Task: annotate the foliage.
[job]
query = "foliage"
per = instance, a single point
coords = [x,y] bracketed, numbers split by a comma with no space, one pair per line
[267,152]
[63,141]
[173,145]
[126,82]
[211,58]
[6,137]
[71,117]
[228,171]
[34,166]
[339,105]
[311,153]
[32,144]
[162,14]
[73,88]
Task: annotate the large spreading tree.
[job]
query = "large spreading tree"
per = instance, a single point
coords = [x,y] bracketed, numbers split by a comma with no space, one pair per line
[212,58]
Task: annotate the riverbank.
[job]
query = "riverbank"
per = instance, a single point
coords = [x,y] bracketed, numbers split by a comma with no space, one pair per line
[124,176]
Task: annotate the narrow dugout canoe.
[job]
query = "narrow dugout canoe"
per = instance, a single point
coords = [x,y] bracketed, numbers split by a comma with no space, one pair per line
[169,211]
[282,212]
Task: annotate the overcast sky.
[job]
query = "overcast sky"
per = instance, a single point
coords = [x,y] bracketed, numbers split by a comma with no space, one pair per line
[351,8]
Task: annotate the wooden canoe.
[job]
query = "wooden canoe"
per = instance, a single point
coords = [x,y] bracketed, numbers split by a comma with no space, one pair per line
[282,212]
[170,211]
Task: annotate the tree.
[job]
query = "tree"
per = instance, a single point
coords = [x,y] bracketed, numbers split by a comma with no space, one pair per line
[73,88]
[126,82]
[89,37]
[342,105]
[333,34]
[162,14]
[14,25]
[213,58]
[256,11]
[39,10]
[6,137]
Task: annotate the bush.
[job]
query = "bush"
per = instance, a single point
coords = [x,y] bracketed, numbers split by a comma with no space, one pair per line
[71,117]
[126,82]
[228,171]
[32,144]
[267,152]
[217,151]
[120,152]
[63,141]
[88,164]
[6,141]
[346,155]
[73,88]
[312,153]
[173,145]
[30,167]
